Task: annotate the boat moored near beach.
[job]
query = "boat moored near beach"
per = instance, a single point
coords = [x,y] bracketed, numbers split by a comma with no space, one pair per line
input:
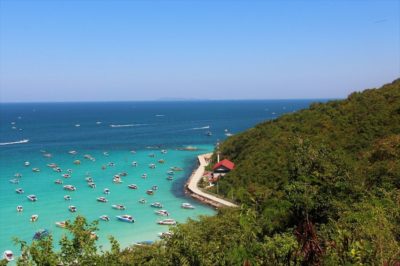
[69,187]
[164,235]
[167,222]
[154,187]
[132,186]
[162,212]
[34,218]
[35,169]
[186,205]
[19,191]
[156,205]
[67,197]
[106,191]
[32,197]
[61,224]
[92,185]
[58,181]
[8,255]
[14,181]
[72,208]
[104,218]
[102,199]
[117,179]
[142,201]
[125,218]
[134,164]
[19,208]
[118,207]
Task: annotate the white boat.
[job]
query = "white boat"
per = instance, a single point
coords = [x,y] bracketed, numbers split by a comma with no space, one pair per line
[118,207]
[106,191]
[52,165]
[111,164]
[73,152]
[208,133]
[32,197]
[154,187]
[102,199]
[58,181]
[77,125]
[186,205]
[14,181]
[104,218]
[144,176]
[67,197]
[8,255]
[162,212]
[57,169]
[92,185]
[69,187]
[66,175]
[126,218]
[18,175]
[27,163]
[19,208]
[163,151]
[134,164]
[69,171]
[61,224]
[167,222]
[170,172]
[170,178]
[156,205]
[72,208]
[117,179]
[142,201]
[165,235]
[89,179]
[19,191]
[132,186]
[34,218]
[105,153]
[152,166]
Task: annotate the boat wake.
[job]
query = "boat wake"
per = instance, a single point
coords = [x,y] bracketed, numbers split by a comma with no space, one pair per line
[128,125]
[199,128]
[14,142]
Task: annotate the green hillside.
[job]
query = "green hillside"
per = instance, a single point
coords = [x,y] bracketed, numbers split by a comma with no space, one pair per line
[317,187]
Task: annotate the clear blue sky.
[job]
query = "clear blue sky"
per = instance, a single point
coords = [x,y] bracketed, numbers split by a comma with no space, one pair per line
[143,50]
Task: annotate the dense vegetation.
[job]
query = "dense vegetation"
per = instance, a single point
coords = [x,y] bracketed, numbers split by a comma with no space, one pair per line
[317,187]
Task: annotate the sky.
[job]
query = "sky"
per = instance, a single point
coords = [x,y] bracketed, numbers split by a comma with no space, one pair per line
[120,50]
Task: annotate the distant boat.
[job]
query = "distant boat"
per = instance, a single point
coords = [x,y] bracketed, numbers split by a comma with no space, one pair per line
[156,205]
[67,197]
[102,199]
[209,133]
[61,224]
[106,191]
[69,187]
[142,201]
[167,222]
[72,208]
[34,218]
[187,206]
[41,234]
[20,208]
[32,197]
[27,163]
[77,125]
[118,207]
[19,191]
[162,212]
[126,218]
[8,255]
[132,186]
[104,218]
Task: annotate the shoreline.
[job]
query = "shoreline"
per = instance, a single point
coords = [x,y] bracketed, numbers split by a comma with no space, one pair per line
[191,186]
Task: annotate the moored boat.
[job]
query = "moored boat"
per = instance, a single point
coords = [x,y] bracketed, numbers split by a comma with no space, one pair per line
[104,218]
[132,186]
[8,255]
[67,197]
[69,187]
[167,222]
[144,176]
[142,201]
[92,185]
[150,192]
[117,179]
[154,187]
[106,191]
[66,175]
[134,164]
[34,218]
[41,234]
[58,181]
[186,205]
[35,169]
[27,163]
[125,218]
[32,197]
[61,224]
[14,181]
[170,178]
[164,235]
[118,207]
[72,208]
[156,205]
[102,199]
[152,166]
[19,191]
[20,208]
[162,212]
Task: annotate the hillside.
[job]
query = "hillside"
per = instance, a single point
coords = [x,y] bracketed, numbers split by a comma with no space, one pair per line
[317,187]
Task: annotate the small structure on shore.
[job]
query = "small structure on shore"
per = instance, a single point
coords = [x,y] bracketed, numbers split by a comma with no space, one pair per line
[223,167]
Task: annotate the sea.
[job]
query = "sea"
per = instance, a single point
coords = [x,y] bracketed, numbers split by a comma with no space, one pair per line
[112,135]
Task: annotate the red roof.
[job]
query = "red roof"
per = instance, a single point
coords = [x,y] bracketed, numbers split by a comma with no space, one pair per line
[226,163]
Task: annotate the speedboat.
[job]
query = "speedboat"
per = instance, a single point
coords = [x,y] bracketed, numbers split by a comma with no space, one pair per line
[152,166]
[19,191]
[154,187]
[67,197]
[8,255]
[150,192]
[52,165]
[14,181]
[69,187]
[170,172]
[163,151]
[47,155]
[58,182]
[106,191]
[170,177]
[89,179]
[102,199]
[142,201]
[18,175]
[61,224]
[35,169]
[134,164]
[73,152]
[165,235]
[126,218]
[162,212]
[92,185]
[118,207]
[34,218]
[144,176]
[132,186]
[77,125]
[187,206]
[72,208]
[69,171]
[19,208]
[104,218]
[66,175]
[41,234]
[167,222]
[156,205]
[57,169]
[105,153]
[27,163]
[111,164]
[117,179]
[32,197]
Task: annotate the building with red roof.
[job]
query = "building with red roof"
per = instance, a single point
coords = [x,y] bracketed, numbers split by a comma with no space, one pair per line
[223,166]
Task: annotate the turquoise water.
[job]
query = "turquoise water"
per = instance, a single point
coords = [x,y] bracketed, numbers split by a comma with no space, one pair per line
[144,127]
